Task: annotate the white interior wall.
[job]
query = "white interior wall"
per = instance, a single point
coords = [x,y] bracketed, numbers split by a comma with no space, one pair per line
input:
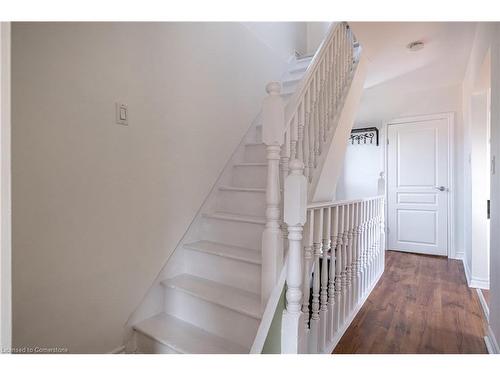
[493,39]
[476,168]
[5,201]
[316,32]
[98,207]
[480,187]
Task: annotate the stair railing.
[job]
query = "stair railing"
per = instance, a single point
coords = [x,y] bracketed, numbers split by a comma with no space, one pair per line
[343,258]
[299,135]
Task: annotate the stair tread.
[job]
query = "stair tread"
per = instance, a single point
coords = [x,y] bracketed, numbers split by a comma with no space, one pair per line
[237,217]
[228,251]
[186,338]
[236,188]
[238,300]
[254,144]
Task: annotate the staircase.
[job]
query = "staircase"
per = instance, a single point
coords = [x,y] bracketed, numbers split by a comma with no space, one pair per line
[219,291]
[208,297]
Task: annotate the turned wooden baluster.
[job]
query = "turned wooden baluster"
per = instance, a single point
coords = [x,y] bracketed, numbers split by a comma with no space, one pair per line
[317,243]
[331,281]
[357,234]
[354,267]
[343,273]
[284,159]
[310,135]
[369,247]
[332,79]
[306,151]
[315,305]
[308,252]
[300,134]
[323,313]
[374,239]
[295,201]
[381,192]
[349,261]
[382,234]
[272,237]
[320,108]
[372,242]
[364,242]
[339,68]
[327,90]
[315,121]
[338,270]
[378,234]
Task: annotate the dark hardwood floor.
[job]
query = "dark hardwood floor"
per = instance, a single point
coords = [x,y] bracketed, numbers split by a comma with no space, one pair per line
[421,304]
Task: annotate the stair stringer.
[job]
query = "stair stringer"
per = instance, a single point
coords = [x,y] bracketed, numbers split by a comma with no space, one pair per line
[322,187]
[153,302]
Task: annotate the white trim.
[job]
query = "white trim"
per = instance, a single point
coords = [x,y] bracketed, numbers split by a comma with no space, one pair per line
[484,304]
[466,271]
[5,190]
[479,283]
[474,282]
[450,117]
[491,342]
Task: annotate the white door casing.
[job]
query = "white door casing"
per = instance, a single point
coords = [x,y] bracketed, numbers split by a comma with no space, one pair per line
[418,166]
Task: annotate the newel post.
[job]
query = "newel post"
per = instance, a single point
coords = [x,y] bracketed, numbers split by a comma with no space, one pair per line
[273,117]
[295,207]
[381,191]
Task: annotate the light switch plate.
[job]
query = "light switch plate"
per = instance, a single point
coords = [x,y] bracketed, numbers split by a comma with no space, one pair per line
[121,114]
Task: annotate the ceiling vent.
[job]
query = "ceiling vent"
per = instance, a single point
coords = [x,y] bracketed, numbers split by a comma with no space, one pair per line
[415,46]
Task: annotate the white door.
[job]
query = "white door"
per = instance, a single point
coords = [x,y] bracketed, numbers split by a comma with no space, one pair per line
[417,184]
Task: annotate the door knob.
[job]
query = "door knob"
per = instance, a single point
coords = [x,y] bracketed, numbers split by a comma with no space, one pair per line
[440,188]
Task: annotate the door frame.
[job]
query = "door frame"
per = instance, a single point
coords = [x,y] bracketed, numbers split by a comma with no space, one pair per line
[5,189]
[450,119]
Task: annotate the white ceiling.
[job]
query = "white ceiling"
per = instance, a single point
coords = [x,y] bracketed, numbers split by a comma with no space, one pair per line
[442,61]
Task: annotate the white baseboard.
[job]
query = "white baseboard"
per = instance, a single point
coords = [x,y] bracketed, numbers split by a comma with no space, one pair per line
[474,282]
[491,342]
[467,271]
[484,305]
[479,283]
[460,255]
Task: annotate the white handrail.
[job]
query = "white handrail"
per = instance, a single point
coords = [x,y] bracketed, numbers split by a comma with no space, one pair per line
[297,139]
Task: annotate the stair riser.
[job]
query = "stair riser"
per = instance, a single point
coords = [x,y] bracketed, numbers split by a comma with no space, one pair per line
[255,153]
[211,317]
[236,273]
[235,233]
[147,345]
[241,202]
[249,176]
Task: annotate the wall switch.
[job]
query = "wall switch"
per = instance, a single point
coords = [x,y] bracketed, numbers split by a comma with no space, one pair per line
[121,114]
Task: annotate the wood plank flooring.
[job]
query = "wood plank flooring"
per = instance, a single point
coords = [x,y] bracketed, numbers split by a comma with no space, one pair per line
[421,304]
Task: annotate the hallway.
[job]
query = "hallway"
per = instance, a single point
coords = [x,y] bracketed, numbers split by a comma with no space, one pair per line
[421,304]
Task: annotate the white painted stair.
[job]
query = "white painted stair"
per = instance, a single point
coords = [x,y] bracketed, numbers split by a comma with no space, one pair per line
[208,300]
